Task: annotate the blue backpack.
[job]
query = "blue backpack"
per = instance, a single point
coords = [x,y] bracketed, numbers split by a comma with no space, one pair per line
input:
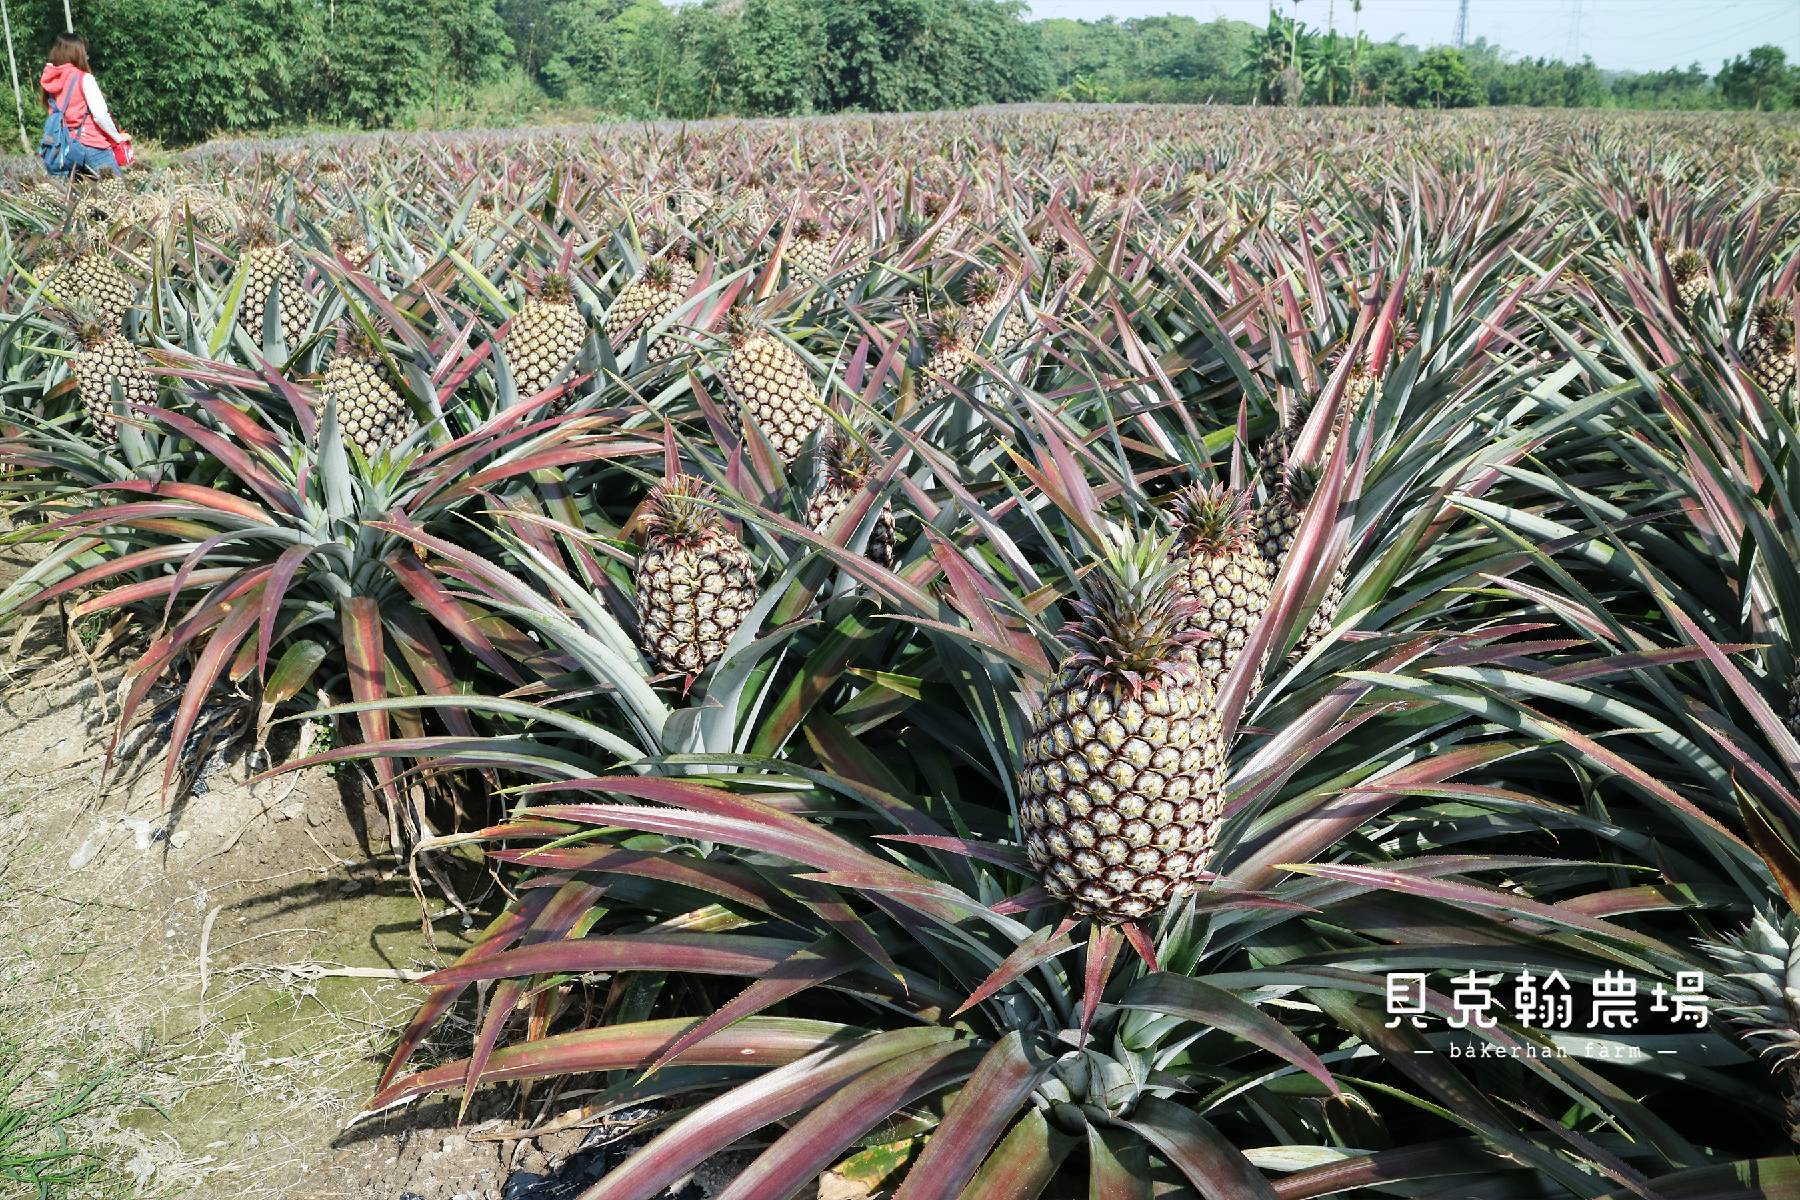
[57,148]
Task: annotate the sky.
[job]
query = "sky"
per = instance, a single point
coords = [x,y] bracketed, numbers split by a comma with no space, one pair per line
[1634,35]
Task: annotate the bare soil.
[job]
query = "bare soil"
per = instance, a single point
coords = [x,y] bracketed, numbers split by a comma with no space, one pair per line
[235,966]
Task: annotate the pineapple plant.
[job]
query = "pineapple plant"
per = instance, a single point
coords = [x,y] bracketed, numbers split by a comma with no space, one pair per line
[109,367]
[89,280]
[1757,989]
[546,335]
[1122,782]
[1692,279]
[647,302]
[771,382]
[695,581]
[1220,566]
[269,266]
[1769,349]
[371,414]
[691,205]
[844,471]
[1276,522]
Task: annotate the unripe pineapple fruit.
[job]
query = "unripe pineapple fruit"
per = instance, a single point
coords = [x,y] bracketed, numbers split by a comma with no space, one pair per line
[1276,523]
[772,384]
[1273,453]
[1757,989]
[986,300]
[371,415]
[1769,350]
[645,303]
[1692,279]
[349,240]
[1221,568]
[545,337]
[1122,784]
[268,266]
[844,475]
[90,281]
[948,353]
[695,581]
[108,365]
[808,252]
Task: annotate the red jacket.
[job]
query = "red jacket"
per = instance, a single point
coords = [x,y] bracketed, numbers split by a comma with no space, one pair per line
[57,79]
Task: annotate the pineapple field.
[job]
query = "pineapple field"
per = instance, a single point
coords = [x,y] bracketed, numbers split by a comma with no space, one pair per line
[1039,652]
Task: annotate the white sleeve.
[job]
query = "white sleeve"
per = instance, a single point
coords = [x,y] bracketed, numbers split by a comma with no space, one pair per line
[96,102]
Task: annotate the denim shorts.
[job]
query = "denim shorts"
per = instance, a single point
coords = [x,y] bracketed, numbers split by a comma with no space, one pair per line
[89,160]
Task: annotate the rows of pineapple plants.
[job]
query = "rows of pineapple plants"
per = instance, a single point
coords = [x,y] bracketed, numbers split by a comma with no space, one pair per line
[971,646]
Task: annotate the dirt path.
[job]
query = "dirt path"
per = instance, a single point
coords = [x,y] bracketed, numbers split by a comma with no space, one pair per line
[229,975]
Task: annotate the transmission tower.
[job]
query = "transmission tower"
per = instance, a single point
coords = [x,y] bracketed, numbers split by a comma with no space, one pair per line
[1462,24]
[1575,32]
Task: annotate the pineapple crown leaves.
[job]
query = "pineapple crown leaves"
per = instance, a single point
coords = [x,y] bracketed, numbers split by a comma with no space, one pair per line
[981,288]
[948,329]
[741,324]
[846,461]
[1132,623]
[681,511]
[1773,321]
[82,320]
[551,288]
[1210,518]
[1687,264]
[1300,483]
[1759,989]
[808,229]
[659,273]
[354,340]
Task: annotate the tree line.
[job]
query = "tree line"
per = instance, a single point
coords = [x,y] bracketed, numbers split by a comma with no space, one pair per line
[183,70]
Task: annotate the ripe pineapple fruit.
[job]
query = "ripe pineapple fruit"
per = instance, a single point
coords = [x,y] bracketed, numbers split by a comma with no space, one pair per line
[546,335]
[371,415]
[1291,491]
[1688,271]
[1221,568]
[986,300]
[771,382]
[1758,990]
[647,302]
[695,581]
[1123,777]
[808,251]
[105,364]
[89,280]
[269,264]
[1769,350]
[845,472]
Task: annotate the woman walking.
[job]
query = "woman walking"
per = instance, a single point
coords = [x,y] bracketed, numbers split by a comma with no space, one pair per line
[69,87]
